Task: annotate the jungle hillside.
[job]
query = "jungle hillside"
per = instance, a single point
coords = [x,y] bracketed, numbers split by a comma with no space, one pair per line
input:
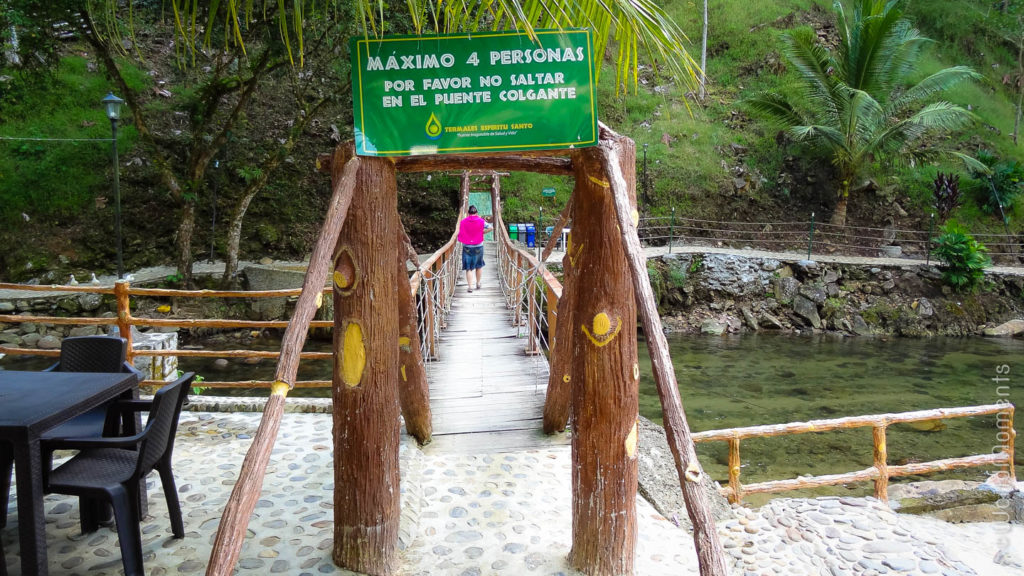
[759,142]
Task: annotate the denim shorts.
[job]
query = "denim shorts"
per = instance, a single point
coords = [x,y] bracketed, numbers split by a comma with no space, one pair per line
[472,257]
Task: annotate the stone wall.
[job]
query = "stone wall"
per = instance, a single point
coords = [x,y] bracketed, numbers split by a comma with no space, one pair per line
[716,293]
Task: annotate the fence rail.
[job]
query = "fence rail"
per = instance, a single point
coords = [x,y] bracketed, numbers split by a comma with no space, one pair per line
[814,237]
[881,471]
[432,284]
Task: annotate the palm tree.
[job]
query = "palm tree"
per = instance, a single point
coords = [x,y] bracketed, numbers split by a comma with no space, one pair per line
[234,30]
[632,24]
[854,105]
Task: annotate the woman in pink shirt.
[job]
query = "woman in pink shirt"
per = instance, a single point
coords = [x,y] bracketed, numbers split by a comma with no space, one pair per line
[471,234]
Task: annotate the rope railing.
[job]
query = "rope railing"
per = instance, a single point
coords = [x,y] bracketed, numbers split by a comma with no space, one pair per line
[531,292]
[814,237]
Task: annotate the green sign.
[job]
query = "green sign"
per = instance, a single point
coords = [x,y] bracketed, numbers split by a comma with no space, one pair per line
[462,93]
[548,192]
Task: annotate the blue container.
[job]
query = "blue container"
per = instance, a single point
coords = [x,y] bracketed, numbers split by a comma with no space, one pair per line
[513,231]
[531,236]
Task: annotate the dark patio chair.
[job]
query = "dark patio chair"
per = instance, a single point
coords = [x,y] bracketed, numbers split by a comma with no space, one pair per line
[110,469]
[77,354]
[90,354]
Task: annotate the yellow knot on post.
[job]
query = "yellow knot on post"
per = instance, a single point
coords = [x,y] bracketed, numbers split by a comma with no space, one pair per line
[692,473]
[279,388]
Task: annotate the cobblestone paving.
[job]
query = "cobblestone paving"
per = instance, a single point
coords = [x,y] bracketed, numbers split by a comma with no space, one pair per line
[463,515]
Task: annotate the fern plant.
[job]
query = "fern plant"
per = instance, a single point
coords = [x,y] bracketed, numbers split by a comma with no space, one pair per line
[963,258]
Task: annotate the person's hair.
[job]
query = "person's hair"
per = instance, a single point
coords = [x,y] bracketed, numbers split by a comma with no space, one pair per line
[472,209]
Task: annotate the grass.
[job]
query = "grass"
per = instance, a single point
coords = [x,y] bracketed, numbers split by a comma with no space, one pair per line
[61,173]
[744,56]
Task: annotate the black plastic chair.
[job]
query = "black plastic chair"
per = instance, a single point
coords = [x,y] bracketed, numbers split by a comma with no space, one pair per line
[91,354]
[110,469]
[77,354]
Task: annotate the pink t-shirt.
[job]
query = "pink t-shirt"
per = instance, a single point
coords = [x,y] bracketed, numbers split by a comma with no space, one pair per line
[471,230]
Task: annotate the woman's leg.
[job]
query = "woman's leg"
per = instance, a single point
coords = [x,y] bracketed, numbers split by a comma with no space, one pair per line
[469,280]
[479,272]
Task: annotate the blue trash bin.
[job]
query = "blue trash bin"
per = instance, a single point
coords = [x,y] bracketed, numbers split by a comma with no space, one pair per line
[531,235]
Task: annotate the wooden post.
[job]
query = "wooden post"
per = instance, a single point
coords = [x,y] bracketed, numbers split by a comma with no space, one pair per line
[1008,445]
[124,317]
[365,390]
[734,470]
[428,303]
[560,375]
[552,315]
[413,390]
[617,153]
[605,382]
[531,315]
[882,482]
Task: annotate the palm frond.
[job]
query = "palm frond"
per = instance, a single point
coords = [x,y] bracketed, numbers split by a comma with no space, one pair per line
[773,108]
[931,86]
[811,59]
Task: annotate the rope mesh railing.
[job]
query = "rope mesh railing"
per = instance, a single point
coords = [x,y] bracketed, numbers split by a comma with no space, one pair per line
[434,296]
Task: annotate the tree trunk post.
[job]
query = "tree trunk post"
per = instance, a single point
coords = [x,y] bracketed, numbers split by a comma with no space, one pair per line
[560,375]
[620,152]
[881,464]
[122,290]
[532,318]
[552,314]
[413,391]
[605,377]
[734,471]
[366,375]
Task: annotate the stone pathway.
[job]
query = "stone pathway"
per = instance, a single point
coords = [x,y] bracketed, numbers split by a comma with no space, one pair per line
[489,513]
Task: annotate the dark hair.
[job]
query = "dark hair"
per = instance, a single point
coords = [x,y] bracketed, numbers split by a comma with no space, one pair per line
[472,209]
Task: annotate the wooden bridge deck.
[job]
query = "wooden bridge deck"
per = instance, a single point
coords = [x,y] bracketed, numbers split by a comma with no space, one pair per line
[486,393]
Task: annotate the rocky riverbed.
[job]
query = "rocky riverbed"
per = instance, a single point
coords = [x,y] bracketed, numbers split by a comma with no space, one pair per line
[718,293]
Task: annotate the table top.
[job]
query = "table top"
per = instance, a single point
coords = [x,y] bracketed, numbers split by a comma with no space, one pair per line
[38,401]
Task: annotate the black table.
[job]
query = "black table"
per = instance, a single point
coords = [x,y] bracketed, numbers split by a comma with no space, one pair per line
[30,404]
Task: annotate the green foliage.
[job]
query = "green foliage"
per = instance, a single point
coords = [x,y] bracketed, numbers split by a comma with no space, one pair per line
[998,190]
[853,106]
[675,274]
[657,281]
[832,308]
[60,174]
[963,258]
[696,263]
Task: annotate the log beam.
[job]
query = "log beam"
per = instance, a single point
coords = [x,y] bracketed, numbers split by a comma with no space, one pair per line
[235,521]
[365,389]
[617,152]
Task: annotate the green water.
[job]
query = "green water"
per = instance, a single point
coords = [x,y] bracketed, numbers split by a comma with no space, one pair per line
[749,380]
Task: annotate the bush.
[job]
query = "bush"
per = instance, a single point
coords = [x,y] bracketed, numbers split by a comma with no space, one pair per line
[997,192]
[963,258]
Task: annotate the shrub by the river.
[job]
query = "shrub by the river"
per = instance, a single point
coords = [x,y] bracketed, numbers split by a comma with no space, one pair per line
[963,258]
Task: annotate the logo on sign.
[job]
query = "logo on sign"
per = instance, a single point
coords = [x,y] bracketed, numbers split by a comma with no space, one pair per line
[433,127]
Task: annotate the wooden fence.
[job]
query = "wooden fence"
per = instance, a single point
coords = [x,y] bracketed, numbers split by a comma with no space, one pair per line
[432,284]
[881,471]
